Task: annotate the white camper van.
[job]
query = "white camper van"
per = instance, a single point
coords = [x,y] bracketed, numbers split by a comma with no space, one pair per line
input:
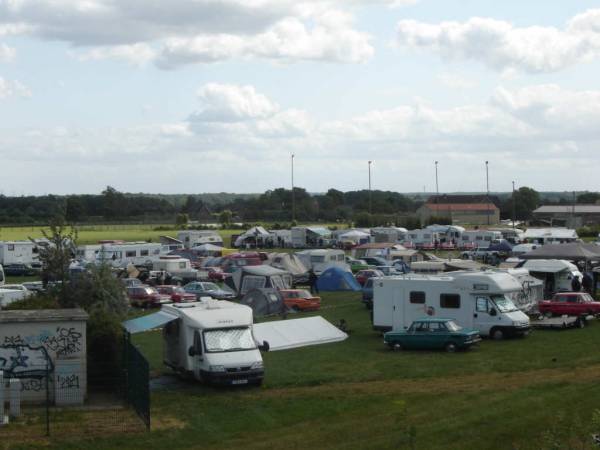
[477,300]
[176,266]
[478,238]
[321,259]
[557,274]
[193,238]
[19,252]
[212,341]
[121,254]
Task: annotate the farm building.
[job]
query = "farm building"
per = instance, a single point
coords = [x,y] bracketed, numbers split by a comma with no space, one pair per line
[572,216]
[461,209]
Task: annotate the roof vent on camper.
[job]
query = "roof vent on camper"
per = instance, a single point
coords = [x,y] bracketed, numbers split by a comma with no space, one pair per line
[185,305]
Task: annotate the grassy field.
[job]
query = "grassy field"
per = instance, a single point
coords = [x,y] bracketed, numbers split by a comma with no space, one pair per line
[91,234]
[532,393]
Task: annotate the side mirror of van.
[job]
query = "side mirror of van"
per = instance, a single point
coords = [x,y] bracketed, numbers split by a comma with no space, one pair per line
[264,347]
[493,312]
[191,351]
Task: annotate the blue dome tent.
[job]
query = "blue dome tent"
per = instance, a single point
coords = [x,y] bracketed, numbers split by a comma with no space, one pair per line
[336,279]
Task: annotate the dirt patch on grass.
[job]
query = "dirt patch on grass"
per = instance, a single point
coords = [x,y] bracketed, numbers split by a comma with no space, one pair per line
[167,423]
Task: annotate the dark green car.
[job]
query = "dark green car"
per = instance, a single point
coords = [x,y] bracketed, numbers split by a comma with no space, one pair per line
[430,334]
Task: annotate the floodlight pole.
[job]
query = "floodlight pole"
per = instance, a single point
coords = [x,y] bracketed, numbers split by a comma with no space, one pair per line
[487,188]
[513,205]
[437,188]
[370,195]
[293,194]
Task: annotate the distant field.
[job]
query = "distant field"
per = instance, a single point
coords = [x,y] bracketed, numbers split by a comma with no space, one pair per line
[539,392]
[91,234]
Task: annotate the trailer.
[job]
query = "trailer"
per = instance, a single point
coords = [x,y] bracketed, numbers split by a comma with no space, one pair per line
[321,259]
[193,238]
[478,238]
[121,254]
[19,252]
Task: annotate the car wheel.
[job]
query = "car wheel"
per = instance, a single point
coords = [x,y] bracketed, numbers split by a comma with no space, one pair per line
[451,347]
[497,334]
[580,322]
[396,347]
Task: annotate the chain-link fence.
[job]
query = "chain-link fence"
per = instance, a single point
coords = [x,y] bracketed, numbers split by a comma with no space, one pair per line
[63,399]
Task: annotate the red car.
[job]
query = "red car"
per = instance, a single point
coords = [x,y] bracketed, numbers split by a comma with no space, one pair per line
[176,293]
[363,275]
[300,300]
[146,296]
[569,303]
[216,274]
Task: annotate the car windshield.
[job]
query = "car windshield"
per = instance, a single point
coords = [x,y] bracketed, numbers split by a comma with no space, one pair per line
[504,304]
[228,340]
[304,294]
[210,287]
[587,298]
[453,326]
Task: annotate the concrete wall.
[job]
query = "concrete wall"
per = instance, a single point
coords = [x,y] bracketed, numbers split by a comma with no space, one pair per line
[22,348]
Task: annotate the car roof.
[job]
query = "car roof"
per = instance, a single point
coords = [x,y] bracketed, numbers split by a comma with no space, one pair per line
[432,319]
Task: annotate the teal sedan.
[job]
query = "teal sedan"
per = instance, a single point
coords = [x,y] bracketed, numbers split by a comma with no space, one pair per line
[432,334]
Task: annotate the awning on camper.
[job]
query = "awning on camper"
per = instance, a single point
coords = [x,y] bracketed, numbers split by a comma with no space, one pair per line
[287,334]
[149,322]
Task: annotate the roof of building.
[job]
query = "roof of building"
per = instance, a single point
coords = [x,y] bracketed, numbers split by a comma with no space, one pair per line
[42,315]
[568,209]
[556,233]
[461,206]
[477,198]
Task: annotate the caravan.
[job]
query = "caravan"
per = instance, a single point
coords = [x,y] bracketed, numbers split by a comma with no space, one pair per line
[193,238]
[478,239]
[321,259]
[479,300]
[121,254]
[19,252]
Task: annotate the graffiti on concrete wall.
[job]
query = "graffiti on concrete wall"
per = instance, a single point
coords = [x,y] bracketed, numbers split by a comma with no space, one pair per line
[63,341]
[20,361]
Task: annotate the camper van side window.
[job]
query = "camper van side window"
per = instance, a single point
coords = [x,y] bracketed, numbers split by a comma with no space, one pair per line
[481,304]
[417,297]
[449,301]
[130,254]
[143,252]
[197,343]
[11,247]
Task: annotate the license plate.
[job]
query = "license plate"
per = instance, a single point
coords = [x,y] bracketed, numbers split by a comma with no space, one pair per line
[239,381]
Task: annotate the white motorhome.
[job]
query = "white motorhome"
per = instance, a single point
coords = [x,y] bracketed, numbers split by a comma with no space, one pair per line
[479,300]
[176,266]
[421,238]
[320,259]
[388,234]
[18,252]
[193,238]
[215,341]
[550,235]
[87,253]
[557,274]
[212,341]
[121,254]
[478,238]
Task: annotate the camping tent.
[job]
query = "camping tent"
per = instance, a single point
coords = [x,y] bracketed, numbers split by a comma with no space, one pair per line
[355,236]
[576,251]
[253,236]
[336,279]
[264,302]
[246,278]
[290,263]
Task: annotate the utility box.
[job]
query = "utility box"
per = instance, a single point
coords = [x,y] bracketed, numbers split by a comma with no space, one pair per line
[46,350]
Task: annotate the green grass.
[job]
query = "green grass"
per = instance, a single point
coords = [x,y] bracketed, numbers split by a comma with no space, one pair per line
[537,392]
[91,234]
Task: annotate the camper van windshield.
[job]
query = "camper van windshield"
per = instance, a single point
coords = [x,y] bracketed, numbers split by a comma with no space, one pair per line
[228,340]
[504,304]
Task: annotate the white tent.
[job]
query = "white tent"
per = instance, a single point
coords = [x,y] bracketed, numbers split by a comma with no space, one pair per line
[254,233]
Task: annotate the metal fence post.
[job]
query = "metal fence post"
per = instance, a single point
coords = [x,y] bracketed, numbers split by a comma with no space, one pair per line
[1,398]
[47,398]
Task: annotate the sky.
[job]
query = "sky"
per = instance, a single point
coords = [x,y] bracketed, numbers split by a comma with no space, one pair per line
[191,96]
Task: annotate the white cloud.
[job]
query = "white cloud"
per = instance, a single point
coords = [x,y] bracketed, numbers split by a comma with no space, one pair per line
[502,46]
[200,31]
[136,54]
[7,53]
[455,81]
[232,103]
[13,88]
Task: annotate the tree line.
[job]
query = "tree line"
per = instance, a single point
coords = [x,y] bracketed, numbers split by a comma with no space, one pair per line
[278,205]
